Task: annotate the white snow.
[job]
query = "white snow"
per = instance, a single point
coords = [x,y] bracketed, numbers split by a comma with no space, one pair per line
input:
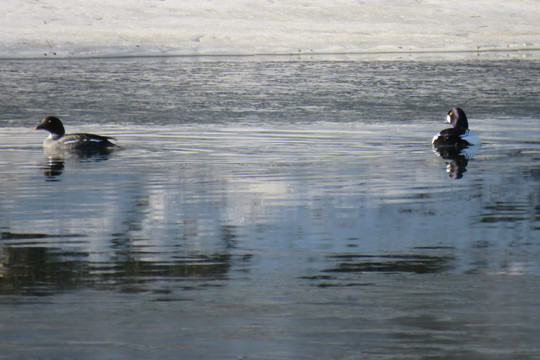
[93,28]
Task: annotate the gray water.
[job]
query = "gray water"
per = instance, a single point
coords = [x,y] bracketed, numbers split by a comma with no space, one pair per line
[270,209]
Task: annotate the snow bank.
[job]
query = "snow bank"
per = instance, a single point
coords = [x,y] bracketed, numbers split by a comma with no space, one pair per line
[93,28]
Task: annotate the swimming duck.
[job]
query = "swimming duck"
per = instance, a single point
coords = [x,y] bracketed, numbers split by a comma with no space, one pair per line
[58,140]
[458,136]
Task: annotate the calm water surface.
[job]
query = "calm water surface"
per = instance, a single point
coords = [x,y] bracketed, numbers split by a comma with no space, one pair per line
[270,210]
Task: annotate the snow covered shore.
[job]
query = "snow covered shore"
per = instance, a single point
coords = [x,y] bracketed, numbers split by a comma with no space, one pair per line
[95,28]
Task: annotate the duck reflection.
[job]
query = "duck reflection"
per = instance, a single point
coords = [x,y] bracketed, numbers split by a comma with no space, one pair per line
[53,167]
[456,158]
[55,162]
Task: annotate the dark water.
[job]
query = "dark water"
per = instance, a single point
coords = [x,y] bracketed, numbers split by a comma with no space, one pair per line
[270,210]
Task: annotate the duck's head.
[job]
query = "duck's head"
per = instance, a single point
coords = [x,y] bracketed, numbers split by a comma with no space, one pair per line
[53,125]
[457,118]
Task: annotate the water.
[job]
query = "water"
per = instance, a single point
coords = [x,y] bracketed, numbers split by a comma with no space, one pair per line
[270,209]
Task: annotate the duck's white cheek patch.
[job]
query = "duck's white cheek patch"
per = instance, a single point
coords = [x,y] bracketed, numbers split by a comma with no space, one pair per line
[448,119]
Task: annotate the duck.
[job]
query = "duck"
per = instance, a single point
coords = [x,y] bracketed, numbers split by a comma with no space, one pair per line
[458,136]
[59,141]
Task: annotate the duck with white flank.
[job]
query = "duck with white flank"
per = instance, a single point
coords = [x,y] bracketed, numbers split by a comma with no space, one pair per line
[58,140]
[459,135]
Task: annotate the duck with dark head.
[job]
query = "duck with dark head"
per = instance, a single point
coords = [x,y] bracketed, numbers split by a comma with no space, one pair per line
[59,141]
[457,144]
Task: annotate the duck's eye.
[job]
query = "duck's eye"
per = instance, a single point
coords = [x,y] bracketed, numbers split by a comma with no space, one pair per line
[450,113]
[49,121]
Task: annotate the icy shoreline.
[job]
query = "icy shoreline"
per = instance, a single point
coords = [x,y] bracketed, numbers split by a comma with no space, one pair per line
[87,29]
